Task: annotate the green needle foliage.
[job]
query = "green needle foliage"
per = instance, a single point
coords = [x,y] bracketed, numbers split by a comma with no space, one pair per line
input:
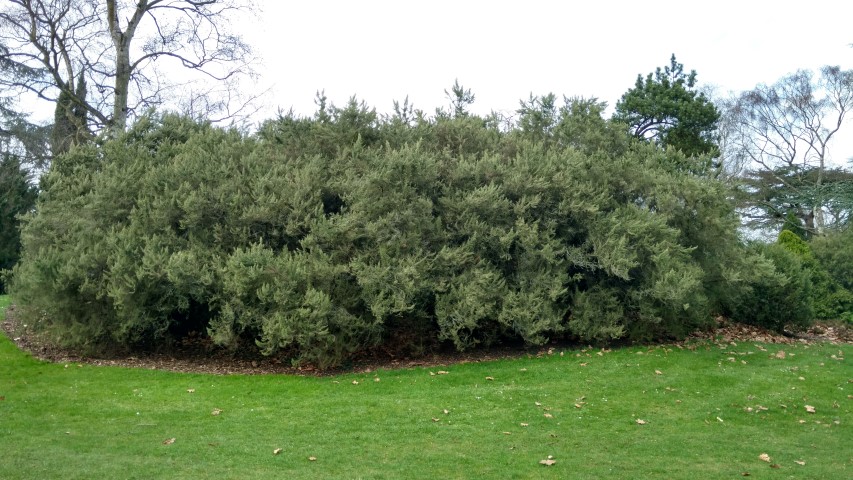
[17,196]
[665,107]
[319,238]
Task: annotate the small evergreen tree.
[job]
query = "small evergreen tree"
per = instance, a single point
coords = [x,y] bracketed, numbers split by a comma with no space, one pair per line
[666,108]
[17,197]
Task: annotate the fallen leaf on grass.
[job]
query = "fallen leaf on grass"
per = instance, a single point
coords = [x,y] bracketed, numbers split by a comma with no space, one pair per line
[548,415]
[640,421]
[376,379]
[810,409]
[524,424]
[547,462]
[312,459]
[190,390]
[442,372]
[446,411]
[780,354]
[435,419]
[216,411]
[719,419]
[276,451]
[658,372]
[507,433]
[584,364]
[579,405]
[764,457]
[168,441]
[799,462]
[490,378]
[355,382]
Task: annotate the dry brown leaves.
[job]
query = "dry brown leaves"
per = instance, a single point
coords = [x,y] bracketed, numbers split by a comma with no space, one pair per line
[727,331]
[222,361]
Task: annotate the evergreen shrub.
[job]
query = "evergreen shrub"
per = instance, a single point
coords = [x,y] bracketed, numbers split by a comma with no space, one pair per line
[317,239]
[834,255]
[780,294]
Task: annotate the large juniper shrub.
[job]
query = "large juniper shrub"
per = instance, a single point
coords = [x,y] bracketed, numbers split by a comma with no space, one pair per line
[316,239]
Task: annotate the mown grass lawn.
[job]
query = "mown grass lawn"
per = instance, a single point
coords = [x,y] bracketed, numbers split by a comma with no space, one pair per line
[708,412]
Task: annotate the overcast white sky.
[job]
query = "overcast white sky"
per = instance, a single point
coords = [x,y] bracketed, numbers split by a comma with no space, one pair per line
[384,50]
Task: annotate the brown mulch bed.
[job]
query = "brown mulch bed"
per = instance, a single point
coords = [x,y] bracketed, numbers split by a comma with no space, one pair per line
[200,357]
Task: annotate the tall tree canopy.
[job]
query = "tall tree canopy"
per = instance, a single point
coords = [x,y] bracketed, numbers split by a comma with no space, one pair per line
[102,62]
[20,136]
[666,108]
[781,134]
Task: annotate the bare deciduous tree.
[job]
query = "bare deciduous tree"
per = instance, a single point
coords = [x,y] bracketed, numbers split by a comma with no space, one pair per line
[109,58]
[783,131]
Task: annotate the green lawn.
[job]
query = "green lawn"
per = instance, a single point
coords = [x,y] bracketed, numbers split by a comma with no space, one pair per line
[708,412]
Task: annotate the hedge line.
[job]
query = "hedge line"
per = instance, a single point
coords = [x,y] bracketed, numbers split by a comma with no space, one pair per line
[317,238]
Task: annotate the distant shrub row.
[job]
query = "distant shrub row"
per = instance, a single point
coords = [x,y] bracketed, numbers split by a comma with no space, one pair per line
[320,238]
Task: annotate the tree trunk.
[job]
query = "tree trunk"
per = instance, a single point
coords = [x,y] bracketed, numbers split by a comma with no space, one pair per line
[119,120]
[70,126]
[121,42]
[818,207]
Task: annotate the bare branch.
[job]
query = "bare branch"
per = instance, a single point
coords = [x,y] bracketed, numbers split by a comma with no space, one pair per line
[116,45]
[784,130]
